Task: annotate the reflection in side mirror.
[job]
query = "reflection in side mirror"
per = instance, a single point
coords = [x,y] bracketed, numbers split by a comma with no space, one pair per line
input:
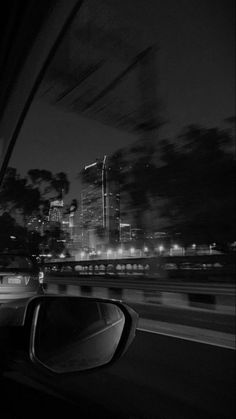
[72,335]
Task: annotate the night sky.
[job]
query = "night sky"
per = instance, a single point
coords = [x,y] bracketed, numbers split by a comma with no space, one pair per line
[196,84]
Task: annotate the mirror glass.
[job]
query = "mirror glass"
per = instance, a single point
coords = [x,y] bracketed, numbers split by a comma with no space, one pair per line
[74,335]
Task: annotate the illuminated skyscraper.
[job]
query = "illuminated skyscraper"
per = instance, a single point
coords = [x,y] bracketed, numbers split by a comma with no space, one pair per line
[125,232]
[100,205]
[56,211]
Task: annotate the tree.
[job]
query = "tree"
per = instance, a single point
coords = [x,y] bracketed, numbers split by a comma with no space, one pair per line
[22,197]
[197,183]
[18,195]
[30,195]
[11,234]
[185,185]
[49,183]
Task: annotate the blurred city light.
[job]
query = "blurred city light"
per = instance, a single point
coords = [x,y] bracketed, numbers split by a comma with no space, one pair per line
[145,249]
[120,251]
[132,250]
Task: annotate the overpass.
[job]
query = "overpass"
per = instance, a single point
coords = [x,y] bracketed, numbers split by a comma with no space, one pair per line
[191,282]
[208,267]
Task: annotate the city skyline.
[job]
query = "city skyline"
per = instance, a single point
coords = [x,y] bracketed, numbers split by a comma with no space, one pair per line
[195,80]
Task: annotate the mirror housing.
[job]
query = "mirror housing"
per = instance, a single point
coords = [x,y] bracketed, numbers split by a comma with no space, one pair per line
[74,334]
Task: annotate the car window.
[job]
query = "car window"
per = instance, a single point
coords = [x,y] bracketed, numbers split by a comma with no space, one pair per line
[121,182]
[122,139]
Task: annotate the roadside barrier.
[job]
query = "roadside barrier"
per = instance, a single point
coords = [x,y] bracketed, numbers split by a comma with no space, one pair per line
[208,267]
[197,296]
[201,282]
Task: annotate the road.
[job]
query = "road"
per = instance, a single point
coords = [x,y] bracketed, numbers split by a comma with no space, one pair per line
[164,377]
[160,377]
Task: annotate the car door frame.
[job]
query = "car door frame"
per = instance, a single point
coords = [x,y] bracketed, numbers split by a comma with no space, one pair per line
[22,87]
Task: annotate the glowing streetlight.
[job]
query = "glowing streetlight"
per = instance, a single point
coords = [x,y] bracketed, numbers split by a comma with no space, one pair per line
[161,248]
[175,246]
[145,249]
[109,252]
[132,250]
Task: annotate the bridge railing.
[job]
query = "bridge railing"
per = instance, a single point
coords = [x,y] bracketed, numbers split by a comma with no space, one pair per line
[164,267]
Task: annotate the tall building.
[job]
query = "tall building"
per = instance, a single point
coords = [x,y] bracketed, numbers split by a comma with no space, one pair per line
[56,211]
[125,232]
[100,205]
[69,219]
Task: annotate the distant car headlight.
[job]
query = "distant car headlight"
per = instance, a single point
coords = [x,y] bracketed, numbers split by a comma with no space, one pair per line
[41,276]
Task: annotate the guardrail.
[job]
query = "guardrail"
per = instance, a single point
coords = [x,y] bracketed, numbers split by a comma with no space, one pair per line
[196,282]
[209,267]
[205,296]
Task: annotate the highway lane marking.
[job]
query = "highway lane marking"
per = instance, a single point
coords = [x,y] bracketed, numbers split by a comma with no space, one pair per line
[194,334]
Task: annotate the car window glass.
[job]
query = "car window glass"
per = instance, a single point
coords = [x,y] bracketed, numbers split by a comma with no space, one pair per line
[121,184]
[124,166]
[115,140]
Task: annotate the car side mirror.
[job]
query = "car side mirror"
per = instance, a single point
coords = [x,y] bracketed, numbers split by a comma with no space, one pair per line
[71,334]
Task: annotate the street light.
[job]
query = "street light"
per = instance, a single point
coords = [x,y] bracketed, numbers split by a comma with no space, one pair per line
[179,248]
[120,251]
[109,252]
[132,250]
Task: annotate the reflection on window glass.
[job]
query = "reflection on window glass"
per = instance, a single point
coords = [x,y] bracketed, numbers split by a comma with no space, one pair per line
[130,142]
[122,184]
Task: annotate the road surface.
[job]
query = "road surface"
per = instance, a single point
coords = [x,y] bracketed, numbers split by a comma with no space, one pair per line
[160,377]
